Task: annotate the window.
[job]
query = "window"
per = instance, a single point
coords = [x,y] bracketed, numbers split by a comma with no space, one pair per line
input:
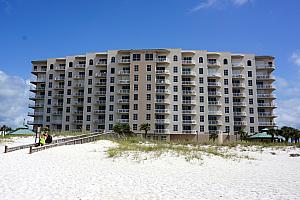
[111,88]
[68,100]
[111,107]
[251,101]
[136,78]
[175,69]
[136,87]
[201,90]
[69,74]
[226,100]
[175,58]
[250,92]
[135,97]
[249,82]
[175,127]
[110,117]
[251,110]
[175,107]
[175,98]
[89,99]
[135,106]
[67,128]
[136,68]
[68,109]
[201,108]
[148,97]
[89,90]
[226,91]
[201,80]
[48,110]
[201,118]
[225,62]
[112,79]
[49,93]
[249,63]
[70,64]
[91,62]
[148,68]
[148,87]
[251,119]
[50,76]
[226,109]
[136,57]
[88,109]
[49,102]
[201,128]
[90,72]
[69,92]
[134,127]
[51,66]
[201,99]
[113,60]
[175,79]
[50,85]
[148,106]
[225,81]
[200,59]
[227,119]
[111,98]
[175,118]
[90,81]
[112,70]
[175,88]
[252,129]
[227,129]
[148,116]
[88,118]
[148,77]
[135,116]
[226,72]
[249,73]
[67,118]
[148,56]
[200,70]
[110,126]
[88,127]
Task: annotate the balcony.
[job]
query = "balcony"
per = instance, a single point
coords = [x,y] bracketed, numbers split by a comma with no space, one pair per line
[188,73]
[57,113]
[79,85]
[38,80]
[124,61]
[188,121]
[37,97]
[239,104]
[265,66]
[123,121]
[102,62]
[59,78]
[124,72]
[100,75]
[35,105]
[214,94]
[267,86]
[213,64]
[237,65]
[79,76]
[34,122]
[99,111]
[163,91]
[77,121]
[266,124]
[100,93]
[162,72]
[99,121]
[266,105]
[188,62]
[238,85]
[214,84]
[272,96]
[162,101]
[162,110]
[60,68]
[78,112]
[79,94]
[189,112]
[265,77]
[79,66]
[191,102]
[162,60]
[214,113]
[123,101]
[101,83]
[78,103]
[240,114]
[161,131]
[238,76]
[214,122]
[58,95]
[240,123]
[216,103]
[124,91]
[188,82]
[214,131]
[238,95]
[39,70]
[123,110]
[123,82]
[35,114]
[189,131]
[58,104]
[162,121]
[188,92]
[35,89]
[162,82]
[266,114]
[100,101]
[214,75]
[59,87]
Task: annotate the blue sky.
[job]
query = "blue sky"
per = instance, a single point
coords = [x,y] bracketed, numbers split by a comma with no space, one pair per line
[38,29]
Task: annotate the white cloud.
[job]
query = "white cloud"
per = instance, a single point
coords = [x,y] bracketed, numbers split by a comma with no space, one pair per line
[14,101]
[288,112]
[204,4]
[295,57]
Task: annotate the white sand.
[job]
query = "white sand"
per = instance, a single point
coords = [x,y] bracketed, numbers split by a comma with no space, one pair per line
[85,172]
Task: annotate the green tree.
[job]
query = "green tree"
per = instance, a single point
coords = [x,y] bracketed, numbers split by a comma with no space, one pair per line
[122,129]
[286,132]
[243,134]
[145,127]
[213,136]
[272,132]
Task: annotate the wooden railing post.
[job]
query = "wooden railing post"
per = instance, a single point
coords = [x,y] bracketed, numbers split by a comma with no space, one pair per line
[5,149]
[30,150]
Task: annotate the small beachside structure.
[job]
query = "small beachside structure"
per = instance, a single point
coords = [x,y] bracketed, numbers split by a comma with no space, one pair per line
[23,131]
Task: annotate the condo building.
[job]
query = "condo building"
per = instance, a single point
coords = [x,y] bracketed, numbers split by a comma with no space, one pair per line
[178,92]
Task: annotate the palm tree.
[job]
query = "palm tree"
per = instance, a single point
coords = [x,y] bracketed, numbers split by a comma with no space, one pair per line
[243,134]
[286,132]
[117,128]
[272,132]
[123,129]
[213,136]
[145,127]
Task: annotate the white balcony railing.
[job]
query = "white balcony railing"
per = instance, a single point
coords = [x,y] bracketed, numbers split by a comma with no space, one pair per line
[188,62]
[189,102]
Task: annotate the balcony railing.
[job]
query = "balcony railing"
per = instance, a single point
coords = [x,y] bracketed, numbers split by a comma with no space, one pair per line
[125,61]
[187,73]
[189,131]
[35,105]
[238,85]
[214,93]
[239,103]
[240,123]
[159,81]
[80,66]
[123,110]
[161,130]
[99,111]
[266,104]
[217,63]
[100,101]
[123,101]
[100,75]
[99,121]
[163,72]
[239,114]
[59,78]
[102,62]
[266,96]
[189,92]
[214,112]
[167,101]
[100,93]
[215,74]
[77,121]
[188,82]
[162,121]
[188,111]
[58,104]
[266,114]
[35,113]
[189,102]
[101,83]
[188,62]
[238,76]
[214,84]
[214,103]
[163,91]
[267,86]
[265,66]
[124,81]
[124,91]
[78,112]
[265,77]
[266,124]
[162,60]
[124,72]
[214,122]
[58,68]
[123,121]
[78,103]
[162,110]
[238,94]
[189,121]
[57,113]
[79,77]
[237,65]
